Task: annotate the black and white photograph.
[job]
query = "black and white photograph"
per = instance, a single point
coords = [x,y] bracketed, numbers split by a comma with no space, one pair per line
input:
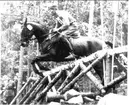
[64,52]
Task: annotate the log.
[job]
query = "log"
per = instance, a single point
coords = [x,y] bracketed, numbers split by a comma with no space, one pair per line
[20,73]
[108,70]
[116,81]
[36,90]
[83,94]
[117,50]
[93,78]
[69,77]
[30,91]
[103,54]
[58,97]
[53,88]
[49,86]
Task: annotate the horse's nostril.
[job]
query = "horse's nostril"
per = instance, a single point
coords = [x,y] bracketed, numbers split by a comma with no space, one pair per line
[23,44]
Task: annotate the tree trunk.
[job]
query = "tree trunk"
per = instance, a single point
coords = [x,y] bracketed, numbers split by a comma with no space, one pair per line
[91,18]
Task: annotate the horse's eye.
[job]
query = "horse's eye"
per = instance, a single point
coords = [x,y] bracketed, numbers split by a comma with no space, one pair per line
[49,47]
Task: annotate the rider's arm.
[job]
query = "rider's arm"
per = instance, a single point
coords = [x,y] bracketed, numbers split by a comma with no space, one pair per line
[63,20]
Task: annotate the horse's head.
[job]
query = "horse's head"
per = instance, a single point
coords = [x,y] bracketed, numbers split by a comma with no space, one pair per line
[26,34]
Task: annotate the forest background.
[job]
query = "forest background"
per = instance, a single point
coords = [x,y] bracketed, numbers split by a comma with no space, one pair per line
[13,14]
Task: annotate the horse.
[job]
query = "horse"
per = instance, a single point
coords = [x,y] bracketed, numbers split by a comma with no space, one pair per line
[55,50]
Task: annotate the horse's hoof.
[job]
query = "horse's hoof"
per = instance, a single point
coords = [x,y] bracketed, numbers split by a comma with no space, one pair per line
[41,75]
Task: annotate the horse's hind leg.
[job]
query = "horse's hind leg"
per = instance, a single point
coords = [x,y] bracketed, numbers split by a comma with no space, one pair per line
[69,46]
[99,70]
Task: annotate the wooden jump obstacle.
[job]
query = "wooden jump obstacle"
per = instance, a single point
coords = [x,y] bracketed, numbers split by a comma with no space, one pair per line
[38,92]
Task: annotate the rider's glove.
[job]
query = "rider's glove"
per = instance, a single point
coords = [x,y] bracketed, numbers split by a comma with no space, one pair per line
[60,30]
[55,30]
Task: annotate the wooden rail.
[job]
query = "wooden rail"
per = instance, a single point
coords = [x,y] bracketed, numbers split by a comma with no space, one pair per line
[79,69]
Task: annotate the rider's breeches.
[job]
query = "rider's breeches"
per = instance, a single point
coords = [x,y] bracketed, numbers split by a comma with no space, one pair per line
[72,31]
[67,44]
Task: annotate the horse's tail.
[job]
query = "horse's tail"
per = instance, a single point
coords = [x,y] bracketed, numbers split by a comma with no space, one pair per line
[109,43]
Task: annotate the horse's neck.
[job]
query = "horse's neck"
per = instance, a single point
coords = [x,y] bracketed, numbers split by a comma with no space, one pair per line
[40,39]
[40,34]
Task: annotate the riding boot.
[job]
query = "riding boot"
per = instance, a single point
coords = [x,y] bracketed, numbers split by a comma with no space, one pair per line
[70,48]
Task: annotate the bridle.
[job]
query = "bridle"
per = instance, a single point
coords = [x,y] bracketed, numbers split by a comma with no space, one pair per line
[31,39]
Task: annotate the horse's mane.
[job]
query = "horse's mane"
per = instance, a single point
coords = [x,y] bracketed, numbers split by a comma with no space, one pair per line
[39,26]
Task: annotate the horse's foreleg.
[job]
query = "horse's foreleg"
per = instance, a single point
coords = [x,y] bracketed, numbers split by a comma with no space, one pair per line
[45,57]
[36,70]
[37,60]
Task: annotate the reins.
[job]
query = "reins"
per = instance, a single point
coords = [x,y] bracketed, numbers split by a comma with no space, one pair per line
[45,35]
[50,33]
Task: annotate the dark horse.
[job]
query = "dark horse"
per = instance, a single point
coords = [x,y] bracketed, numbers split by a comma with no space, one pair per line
[55,50]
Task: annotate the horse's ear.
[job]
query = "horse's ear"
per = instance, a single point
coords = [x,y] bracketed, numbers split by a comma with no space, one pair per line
[25,23]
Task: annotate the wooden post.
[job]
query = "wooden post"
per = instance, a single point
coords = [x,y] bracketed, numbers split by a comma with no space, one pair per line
[28,62]
[108,70]
[104,62]
[20,72]
[115,5]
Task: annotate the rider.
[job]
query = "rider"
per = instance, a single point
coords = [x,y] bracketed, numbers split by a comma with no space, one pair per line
[66,25]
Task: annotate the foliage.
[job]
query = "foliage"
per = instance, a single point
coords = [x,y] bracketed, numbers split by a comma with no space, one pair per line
[15,12]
